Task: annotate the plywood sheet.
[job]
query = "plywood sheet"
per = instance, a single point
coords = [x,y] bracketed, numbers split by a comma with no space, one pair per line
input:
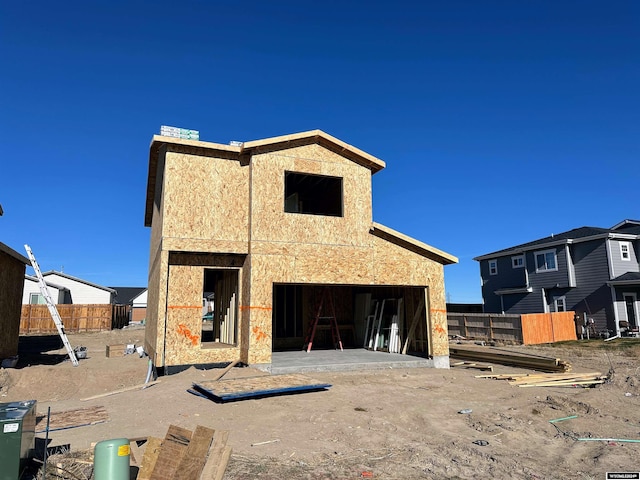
[239,389]
[174,447]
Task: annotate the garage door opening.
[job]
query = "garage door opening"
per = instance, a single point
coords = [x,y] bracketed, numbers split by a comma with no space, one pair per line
[386,319]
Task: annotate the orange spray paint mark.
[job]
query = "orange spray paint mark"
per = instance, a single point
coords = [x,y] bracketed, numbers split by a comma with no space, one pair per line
[185,332]
[439,329]
[259,334]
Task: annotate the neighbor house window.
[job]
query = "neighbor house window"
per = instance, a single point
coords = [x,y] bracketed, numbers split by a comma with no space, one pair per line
[312,194]
[493,267]
[37,299]
[517,261]
[625,250]
[559,304]
[546,261]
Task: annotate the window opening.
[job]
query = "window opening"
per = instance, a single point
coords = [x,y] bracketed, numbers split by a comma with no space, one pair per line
[313,194]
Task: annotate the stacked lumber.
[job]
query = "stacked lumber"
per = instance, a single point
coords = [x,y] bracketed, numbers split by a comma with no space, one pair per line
[185,455]
[550,379]
[508,357]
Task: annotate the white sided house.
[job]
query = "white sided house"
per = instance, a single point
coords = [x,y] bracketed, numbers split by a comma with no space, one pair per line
[78,291]
[31,292]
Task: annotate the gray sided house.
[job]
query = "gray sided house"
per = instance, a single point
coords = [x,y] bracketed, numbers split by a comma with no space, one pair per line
[592,271]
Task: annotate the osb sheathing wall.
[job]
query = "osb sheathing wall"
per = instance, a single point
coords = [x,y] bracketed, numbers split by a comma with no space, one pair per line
[206,205]
[269,221]
[11,284]
[184,321]
[201,205]
[394,265]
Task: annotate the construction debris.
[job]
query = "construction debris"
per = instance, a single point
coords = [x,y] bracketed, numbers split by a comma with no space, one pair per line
[477,366]
[186,455]
[507,357]
[550,379]
[79,417]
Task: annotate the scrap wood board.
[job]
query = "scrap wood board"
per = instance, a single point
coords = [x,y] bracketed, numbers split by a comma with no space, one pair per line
[79,417]
[262,386]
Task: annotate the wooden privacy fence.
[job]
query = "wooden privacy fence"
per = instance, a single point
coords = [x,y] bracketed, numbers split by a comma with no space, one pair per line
[528,329]
[76,318]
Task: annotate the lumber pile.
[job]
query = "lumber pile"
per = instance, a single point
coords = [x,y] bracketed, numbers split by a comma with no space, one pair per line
[550,379]
[508,357]
[199,455]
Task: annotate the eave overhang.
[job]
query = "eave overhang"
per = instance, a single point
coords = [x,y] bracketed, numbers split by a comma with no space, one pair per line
[412,244]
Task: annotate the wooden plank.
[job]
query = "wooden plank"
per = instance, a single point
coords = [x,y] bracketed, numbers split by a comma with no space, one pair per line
[135,453]
[140,386]
[216,459]
[78,417]
[257,386]
[222,464]
[193,462]
[414,324]
[226,370]
[174,447]
[151,452]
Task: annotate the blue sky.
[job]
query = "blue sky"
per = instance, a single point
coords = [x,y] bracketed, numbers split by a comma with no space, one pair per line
[500,121]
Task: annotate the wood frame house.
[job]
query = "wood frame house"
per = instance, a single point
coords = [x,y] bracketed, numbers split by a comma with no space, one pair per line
[264,228]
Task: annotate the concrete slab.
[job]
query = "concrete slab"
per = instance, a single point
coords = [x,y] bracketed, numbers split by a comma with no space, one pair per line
[300,361]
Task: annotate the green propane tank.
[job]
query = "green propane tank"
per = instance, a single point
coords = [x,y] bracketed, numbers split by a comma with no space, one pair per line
[111,459]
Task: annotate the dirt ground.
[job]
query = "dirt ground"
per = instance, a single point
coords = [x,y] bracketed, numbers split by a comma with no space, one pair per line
[388,424]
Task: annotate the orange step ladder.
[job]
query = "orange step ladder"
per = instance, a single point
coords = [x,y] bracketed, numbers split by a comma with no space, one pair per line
[335,332]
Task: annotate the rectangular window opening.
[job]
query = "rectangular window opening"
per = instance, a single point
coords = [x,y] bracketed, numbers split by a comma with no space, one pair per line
[313,194]
[220,307]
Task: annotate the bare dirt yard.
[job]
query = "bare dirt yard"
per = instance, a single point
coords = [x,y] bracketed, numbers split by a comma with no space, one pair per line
[387,424]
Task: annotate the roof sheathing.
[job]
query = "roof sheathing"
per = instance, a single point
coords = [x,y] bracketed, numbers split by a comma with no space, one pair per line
[248,148]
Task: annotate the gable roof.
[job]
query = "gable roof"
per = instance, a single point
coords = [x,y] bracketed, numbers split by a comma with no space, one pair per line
[49,284]
[570,236]
[412,244]
[235,152]
[628,226]
[124,295]
[76,279]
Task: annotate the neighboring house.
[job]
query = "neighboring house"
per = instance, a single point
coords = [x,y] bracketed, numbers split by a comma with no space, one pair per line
[270,227]
[134,297]
[592,271]
[31,292]
[12,268]
[70,290]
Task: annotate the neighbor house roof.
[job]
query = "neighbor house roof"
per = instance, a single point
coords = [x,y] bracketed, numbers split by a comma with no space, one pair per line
[412,244]
[626,279]
[626,227]
[124,295]
[64,275]
[250,148]
[49,284]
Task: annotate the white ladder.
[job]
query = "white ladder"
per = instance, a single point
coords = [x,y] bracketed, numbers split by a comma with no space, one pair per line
[44,289]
